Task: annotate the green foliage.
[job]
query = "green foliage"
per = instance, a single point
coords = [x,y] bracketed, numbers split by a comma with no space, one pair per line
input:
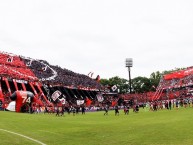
[144,128]
[141,84]
[104,82]
[122,84]
[154,80]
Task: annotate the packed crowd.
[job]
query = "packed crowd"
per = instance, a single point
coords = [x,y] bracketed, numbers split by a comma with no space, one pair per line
[55,75]
[13,67]
[176,83]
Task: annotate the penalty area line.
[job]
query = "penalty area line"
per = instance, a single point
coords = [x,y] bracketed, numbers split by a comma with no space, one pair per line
[23,136]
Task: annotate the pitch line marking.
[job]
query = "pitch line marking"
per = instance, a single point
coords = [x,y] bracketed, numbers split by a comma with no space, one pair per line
[23,136]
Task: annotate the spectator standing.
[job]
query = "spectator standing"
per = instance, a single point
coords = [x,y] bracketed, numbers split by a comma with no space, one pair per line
[57,111]
[83,110]
[106,110]
[116,110]
[126,110]
[170,104]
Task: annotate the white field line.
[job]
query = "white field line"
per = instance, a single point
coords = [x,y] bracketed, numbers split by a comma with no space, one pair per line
[23,136]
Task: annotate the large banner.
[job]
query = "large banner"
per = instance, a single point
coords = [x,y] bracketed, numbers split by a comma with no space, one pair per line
[179,74]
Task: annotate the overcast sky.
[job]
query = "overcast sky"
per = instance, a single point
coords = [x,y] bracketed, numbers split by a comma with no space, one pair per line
[98,35]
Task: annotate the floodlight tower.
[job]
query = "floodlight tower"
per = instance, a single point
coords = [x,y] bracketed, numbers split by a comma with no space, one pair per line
[129,64]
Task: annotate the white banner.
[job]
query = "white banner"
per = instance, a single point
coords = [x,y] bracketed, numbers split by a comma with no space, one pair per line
[80,102]
[21,81]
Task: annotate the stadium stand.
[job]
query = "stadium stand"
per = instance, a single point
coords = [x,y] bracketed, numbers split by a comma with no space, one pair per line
[56,86]
[175,84]
[19,73]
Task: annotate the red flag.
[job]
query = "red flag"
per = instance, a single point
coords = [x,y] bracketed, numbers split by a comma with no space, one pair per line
[113,103]
[88,102]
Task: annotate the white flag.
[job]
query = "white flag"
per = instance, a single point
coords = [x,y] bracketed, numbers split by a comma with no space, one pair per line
[100,97]
[80,102]
[114,88]
[55,95]
[63,101]
[11,106]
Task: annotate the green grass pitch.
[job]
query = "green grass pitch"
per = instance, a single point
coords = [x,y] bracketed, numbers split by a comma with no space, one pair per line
[163,127]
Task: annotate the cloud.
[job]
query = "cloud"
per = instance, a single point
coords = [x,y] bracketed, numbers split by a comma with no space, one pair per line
[98,36]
